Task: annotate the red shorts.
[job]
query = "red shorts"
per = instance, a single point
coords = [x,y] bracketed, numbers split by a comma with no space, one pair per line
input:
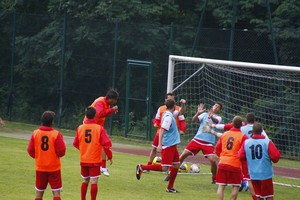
[43,178]
[197,145]
[169,156]
[225,177]
[155,140]
[90,171]
[246,176]
[263,188]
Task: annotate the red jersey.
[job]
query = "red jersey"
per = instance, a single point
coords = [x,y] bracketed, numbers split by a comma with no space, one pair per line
[89,139]
[180,120]
[103,109]
[46,146]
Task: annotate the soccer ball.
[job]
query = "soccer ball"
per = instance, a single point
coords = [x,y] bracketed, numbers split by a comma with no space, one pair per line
[194,168]
[156,160]
[183,168]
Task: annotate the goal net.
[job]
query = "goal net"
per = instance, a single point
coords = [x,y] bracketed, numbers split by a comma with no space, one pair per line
[271,92]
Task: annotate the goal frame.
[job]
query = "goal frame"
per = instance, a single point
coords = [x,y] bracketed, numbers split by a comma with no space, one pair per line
[173,58]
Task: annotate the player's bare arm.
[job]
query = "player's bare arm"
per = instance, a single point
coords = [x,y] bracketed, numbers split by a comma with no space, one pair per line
[201,109]
[183,107]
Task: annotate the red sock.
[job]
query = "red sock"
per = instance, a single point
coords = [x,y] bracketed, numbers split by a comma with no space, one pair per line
[103,164]
[56,198]
[152,167]
[173,174]
[254,197]
[94,191]
[84,187]
[149,163]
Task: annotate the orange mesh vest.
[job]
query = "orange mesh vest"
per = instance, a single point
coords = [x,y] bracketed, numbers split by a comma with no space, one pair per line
[163,108]
[100,120]
[45,156]
[89,143]
[231,144]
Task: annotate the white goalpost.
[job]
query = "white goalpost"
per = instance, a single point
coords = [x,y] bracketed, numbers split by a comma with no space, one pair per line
[271,92]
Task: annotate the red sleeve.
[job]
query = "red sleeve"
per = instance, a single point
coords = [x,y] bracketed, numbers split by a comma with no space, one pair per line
[156,122]
[30,148]
[106,143]
[76,141]
[227,127]
[60,146]
[242,153]
[273,152]
[182,125]
[101,111]
[219,147]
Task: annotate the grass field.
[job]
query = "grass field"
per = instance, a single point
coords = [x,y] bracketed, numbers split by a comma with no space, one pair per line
[18,178]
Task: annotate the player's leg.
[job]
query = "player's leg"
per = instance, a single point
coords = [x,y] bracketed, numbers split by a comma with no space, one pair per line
[94,176]
[251,189]
[41,182]
[220,192]
[103,164]
[55,182]
[173,152]
[85,182]
[213,167]
[234,192]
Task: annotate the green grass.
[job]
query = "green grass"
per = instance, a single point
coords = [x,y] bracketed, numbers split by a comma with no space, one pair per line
[18,178]
[18,174]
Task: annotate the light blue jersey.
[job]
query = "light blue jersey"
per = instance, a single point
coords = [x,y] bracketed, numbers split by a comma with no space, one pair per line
[171,136]
[258,159]
[206,136]
[247,130]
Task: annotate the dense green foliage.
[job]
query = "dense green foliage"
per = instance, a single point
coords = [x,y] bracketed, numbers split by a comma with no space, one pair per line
[144,30]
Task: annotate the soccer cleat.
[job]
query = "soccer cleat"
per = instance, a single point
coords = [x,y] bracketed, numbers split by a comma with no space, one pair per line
[213,182]
[172,190]
[139,172]
[104,171]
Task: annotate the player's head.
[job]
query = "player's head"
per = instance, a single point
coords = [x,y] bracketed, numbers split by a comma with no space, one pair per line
[257,128]
[47,118]
[250,118]
[112,96]
[90,112]
[217,107]
[237,122]
[170,103]
[169,95]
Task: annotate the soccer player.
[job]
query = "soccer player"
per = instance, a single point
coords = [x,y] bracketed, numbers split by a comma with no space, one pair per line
[169,137]
[105,106]
[90,139]
[260,152]
[180,121]
[229,167]
[204,141]
[46,146]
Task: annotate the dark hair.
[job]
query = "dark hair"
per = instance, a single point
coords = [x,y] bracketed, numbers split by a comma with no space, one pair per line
[112,94]
[220,104]
[170,103]
[237,122]
[90,112]
[250,118]
[257,128]
[47,118]
[169,94]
